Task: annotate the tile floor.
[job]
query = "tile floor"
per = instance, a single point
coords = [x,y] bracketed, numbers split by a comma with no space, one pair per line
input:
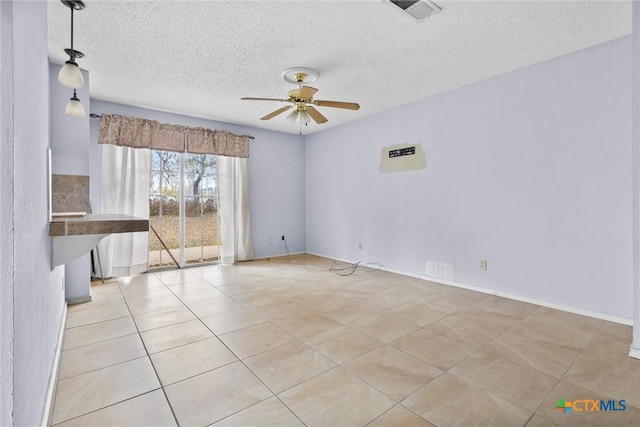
[286,342]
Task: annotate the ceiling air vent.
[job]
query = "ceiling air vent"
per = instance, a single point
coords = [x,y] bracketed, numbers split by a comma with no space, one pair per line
[418,9]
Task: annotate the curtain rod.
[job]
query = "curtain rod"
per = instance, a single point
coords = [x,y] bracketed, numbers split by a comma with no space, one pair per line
[97,116]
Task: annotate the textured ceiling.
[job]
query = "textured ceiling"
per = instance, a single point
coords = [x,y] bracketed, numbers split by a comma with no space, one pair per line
[200,57]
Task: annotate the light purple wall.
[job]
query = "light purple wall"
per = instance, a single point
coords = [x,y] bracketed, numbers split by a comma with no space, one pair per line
[276,175]
[635,345]
[6,214]
[36,307]
[530,170]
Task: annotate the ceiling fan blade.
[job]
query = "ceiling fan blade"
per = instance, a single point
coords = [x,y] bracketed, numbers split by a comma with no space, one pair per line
[264,99]
[337,104]
[306,92]
[275,113]
[315,115]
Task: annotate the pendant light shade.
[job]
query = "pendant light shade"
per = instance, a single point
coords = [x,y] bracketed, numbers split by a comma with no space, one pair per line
[70,75]
[304,117]
[292,116]
[74,106]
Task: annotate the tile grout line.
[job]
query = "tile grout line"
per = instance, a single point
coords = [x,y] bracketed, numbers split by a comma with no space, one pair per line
[107,406]
[467,357]
[119,363]
[274,394]
[483,347]
[151,363]
[534,412]
[242,361]
[225,345]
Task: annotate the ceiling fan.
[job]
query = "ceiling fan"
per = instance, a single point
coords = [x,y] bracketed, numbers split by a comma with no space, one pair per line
[301,99]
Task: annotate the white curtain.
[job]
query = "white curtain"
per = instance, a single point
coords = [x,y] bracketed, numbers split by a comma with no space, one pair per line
[235,225]
[125,190]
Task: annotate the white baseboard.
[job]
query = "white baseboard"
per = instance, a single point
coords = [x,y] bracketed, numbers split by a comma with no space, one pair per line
[345,260]
[278,255]
[80,300]
[567,308]
[47,415]
[634,352]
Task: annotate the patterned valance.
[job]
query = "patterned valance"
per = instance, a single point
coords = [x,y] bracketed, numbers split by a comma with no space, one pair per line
[142,133]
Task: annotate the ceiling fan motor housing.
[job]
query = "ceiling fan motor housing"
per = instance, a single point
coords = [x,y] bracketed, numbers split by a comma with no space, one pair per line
[295,96]
[302,98]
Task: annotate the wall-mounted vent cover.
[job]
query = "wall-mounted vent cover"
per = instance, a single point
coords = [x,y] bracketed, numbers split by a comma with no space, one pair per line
[440,270]
[417,8]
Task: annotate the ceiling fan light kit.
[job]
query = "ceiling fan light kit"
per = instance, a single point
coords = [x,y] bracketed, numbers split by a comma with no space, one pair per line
[304,117]
[301,98]
[70,74]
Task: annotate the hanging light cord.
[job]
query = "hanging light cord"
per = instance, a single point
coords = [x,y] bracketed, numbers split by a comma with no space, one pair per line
[73,52]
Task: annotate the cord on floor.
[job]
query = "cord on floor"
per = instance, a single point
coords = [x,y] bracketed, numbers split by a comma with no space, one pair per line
[338,271]
[353,267]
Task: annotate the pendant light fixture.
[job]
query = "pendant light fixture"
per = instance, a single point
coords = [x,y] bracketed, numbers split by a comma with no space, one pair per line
[74,107]
[70,74]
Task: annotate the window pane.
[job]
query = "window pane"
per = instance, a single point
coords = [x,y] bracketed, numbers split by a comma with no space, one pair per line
[211,230]
[208,186]
[193,207]
[165,176]
[165,160]
[155,183]
[194,231]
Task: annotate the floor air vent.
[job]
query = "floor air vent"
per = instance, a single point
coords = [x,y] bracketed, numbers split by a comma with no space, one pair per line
[418,9]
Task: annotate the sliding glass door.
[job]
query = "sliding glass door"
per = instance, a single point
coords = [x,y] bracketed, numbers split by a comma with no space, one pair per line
[183,209]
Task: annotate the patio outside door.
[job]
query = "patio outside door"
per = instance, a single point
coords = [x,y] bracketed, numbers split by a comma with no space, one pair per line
[183,209]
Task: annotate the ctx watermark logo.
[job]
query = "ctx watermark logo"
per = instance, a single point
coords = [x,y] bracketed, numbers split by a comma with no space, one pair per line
[588,405]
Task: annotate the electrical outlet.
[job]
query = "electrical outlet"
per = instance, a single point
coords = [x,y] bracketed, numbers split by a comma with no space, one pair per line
[483,264]
[269,241]
[360,245]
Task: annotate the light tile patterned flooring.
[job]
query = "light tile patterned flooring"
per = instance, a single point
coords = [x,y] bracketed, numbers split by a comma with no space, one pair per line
[286,342]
